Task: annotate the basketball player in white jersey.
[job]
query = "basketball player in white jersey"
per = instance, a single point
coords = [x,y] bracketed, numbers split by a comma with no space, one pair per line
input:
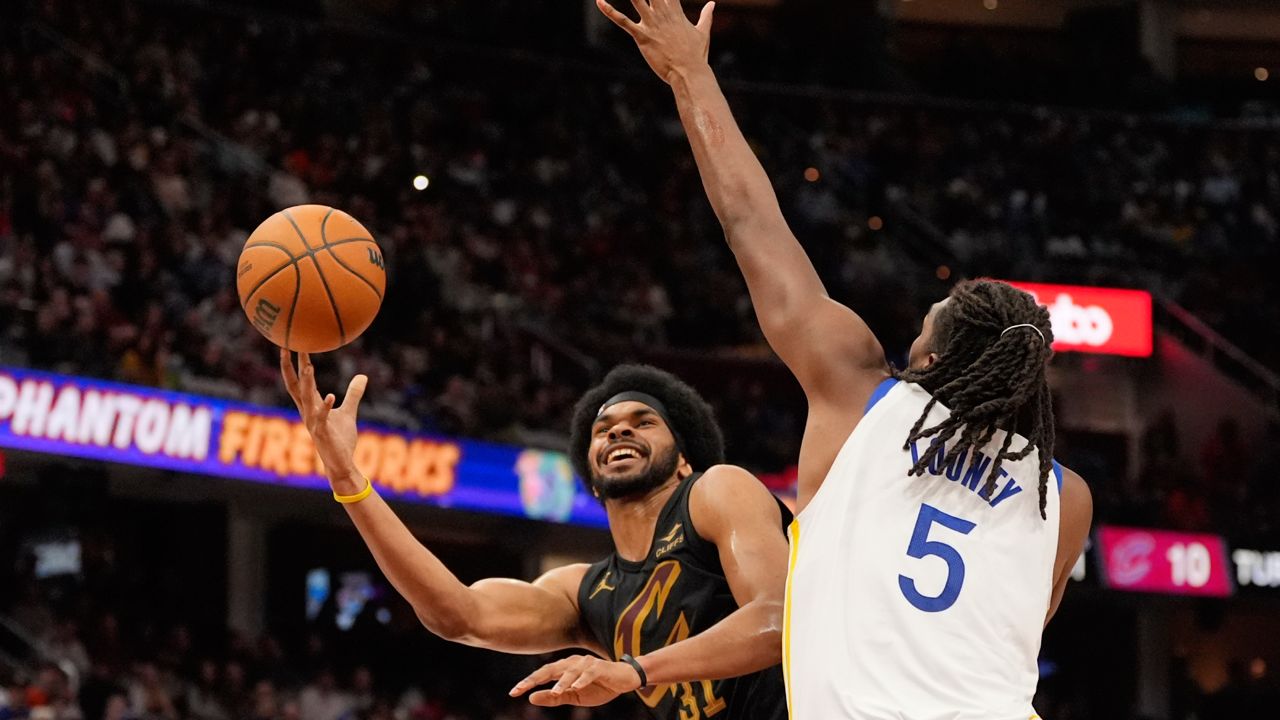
[935,533]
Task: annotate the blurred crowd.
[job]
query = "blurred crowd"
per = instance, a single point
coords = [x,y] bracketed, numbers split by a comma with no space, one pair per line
[1225,484]
[110,671]
[563,227]
[132,625]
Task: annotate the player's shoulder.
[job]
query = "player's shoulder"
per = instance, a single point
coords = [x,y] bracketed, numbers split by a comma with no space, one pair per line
[725,482]
[1070,478]
[726,496]
[566,578]
[1074,493]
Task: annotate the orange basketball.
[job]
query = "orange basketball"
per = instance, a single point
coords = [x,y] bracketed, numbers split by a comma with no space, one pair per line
[311,278]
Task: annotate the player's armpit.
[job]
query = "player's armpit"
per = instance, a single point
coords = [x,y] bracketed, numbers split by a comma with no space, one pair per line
[732,509]
[1073,531]
[529,618]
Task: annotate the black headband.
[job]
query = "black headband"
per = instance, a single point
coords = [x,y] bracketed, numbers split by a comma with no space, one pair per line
[654,404]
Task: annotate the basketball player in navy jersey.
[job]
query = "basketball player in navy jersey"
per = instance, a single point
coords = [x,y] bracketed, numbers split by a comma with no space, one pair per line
[687,611]
[935,533]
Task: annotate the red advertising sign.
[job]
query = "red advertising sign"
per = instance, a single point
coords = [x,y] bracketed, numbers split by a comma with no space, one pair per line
[1164,562]
[1096,320]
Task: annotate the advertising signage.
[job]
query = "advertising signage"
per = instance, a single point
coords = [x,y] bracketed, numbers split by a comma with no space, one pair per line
[1096,320]
[77,417]
[1257,568]
[1160,561]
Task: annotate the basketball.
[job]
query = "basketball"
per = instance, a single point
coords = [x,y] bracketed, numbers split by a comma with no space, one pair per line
[311,278]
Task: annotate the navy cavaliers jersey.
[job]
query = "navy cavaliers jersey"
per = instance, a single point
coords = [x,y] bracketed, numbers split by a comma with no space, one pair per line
[679,590]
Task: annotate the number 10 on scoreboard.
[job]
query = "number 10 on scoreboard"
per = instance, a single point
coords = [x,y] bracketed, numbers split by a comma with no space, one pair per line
[1164,562]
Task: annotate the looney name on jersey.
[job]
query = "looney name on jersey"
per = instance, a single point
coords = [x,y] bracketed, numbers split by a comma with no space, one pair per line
[971,473]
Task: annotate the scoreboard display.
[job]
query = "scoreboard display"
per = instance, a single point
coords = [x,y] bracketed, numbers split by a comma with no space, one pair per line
[1161,561]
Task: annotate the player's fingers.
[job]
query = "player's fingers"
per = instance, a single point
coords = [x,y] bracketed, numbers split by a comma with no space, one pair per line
[642,7]
[544,674]
[617,17]
[308,395]
[355,393]
[544,698]
[704,19]
[588,676]
[322,413]
[306,374]
[290,375]
[567,679]
[305,369]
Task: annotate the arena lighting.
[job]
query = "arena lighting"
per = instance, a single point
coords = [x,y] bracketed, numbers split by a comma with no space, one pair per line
[991,4]
[875,222]
[1103,321]
[812,174]
[420,182]
[1261,74]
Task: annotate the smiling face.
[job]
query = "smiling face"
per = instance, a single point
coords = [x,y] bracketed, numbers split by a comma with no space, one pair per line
[632,451]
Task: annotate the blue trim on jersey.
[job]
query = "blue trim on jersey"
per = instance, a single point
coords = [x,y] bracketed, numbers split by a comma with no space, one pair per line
[1057,472]
[881,390]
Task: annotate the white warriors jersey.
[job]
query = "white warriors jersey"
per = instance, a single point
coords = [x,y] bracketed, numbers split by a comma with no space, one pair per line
[918,597]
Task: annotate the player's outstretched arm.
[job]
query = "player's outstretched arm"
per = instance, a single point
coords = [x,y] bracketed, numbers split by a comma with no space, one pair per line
[730,508]
[829,349]
[505,615]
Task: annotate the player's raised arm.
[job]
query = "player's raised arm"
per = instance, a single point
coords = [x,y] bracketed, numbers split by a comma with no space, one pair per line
[498,614]
[828,347]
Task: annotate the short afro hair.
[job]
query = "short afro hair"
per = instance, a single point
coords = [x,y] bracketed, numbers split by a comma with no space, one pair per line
[692,419]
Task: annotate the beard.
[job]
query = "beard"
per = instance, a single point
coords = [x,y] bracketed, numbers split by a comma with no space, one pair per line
[659,469]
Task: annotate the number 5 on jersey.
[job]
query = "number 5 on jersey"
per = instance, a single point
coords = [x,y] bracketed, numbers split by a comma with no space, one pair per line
[921,547]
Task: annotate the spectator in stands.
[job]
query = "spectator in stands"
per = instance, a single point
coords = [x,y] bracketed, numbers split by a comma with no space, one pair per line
[235,688]
[149,698]
[363,698]
[64,646]
[322,700]
[203,699]
[265,704]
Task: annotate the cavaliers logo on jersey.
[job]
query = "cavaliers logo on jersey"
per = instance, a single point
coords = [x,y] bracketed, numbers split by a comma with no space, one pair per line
[648,605]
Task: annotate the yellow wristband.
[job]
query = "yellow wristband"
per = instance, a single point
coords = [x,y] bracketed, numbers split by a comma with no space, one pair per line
[348,499]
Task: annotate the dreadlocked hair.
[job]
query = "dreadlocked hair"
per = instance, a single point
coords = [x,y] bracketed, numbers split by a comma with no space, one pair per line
[988,378]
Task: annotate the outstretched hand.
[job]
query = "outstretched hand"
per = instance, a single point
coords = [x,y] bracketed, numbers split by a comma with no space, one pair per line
[666,38]
[580,680]
[333,429]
